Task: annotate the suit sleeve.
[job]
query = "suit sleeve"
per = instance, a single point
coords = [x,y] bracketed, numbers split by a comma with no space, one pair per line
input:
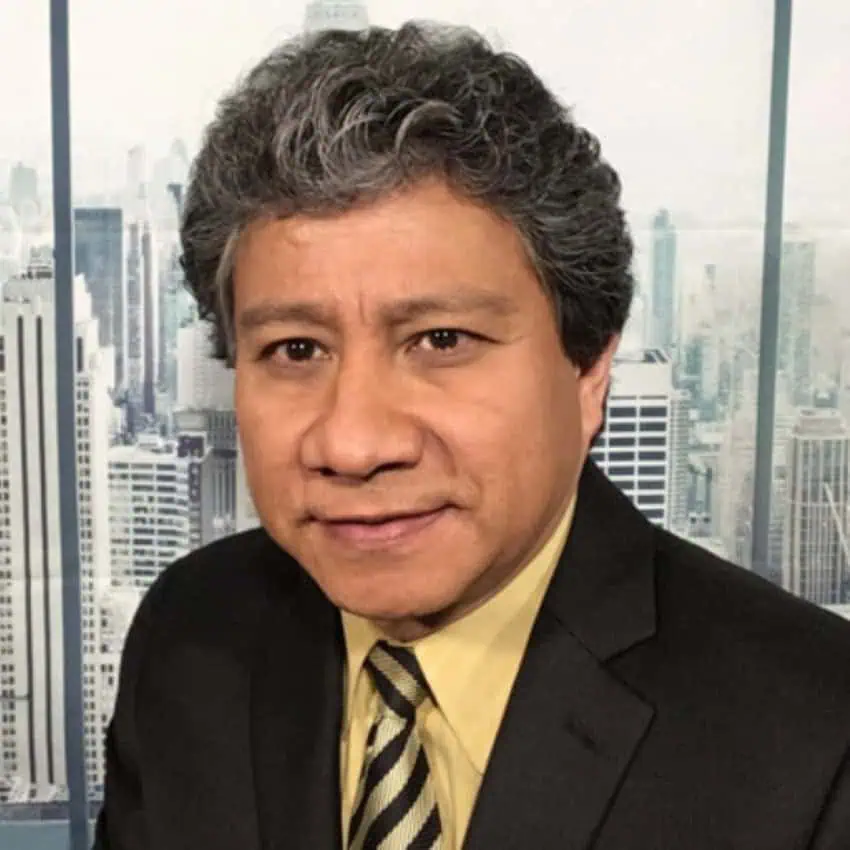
[833,828]
[121,823]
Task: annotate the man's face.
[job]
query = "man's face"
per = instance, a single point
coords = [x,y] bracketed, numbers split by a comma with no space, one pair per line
[412,430]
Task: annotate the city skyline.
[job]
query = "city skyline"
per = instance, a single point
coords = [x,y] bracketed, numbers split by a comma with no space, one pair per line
[156,429]
[698,95]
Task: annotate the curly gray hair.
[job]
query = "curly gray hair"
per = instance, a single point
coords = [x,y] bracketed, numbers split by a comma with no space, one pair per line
[336,119]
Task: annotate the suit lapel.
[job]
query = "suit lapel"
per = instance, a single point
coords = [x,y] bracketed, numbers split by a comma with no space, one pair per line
[571,729]
[296,716]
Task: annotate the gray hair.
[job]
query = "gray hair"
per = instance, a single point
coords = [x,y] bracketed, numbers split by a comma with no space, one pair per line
[334,120]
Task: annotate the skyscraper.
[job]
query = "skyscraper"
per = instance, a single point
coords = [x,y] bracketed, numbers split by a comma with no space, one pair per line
[205,404]
[150,289]
[11,244]
[732,506]
[843,376]
[159,504]
[176,309]
[135,314]
[202,382]
[335,14]
[31,678]
[142,315]
[663,323]
[817,557]
[219,429]
[23,190]
[94,376]
[246,512]
[176,306]
[642,447]
[99,257]
[137,175]
[142,292]
[795,318]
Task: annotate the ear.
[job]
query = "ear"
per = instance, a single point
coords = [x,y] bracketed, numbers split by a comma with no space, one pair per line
[593,387]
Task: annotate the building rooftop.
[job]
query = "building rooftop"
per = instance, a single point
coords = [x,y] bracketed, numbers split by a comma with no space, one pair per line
[165,452]
[820,422]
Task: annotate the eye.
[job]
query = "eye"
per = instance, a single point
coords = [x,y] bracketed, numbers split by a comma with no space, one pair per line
[295,350]
[444,339]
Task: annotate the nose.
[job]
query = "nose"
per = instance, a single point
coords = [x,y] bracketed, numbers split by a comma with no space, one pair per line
[362,427]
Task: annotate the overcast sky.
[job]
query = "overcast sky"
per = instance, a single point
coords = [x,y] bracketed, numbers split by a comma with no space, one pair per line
[677,90]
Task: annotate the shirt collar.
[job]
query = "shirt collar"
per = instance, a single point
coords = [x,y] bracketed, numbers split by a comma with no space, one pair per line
[477,655]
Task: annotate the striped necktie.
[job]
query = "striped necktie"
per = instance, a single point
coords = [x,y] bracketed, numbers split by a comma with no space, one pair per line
[395,807]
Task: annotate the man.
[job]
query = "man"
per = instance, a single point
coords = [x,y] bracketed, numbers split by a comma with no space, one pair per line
[452,630]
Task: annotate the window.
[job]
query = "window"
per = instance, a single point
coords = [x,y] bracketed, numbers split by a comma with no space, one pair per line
[31,681]
[682,114]
[810,506]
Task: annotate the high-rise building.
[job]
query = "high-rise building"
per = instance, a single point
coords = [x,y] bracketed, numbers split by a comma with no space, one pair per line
[246,512]
[663,323]
[159,505]
[817,557]
[151,320]
[734,492]
[176,309]
[634,335]
[176,305]
[136,188]
[219,426]
[679,479]
[202,382]
[700,356]
[23,190]
[99,257]
[142,315]
[117,607]
[843,376]
[95,369]
[11,244]
[797,284]
[31,675]
[643,444]
[135,314]
[732,496]
[205,404]
[142,294]
[168,171]
[335,14]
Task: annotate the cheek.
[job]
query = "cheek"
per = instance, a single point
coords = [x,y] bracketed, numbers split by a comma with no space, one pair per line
[268,444]
[515,436]
[535,407]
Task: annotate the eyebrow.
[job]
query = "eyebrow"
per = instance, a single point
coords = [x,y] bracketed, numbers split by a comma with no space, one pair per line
[400,312]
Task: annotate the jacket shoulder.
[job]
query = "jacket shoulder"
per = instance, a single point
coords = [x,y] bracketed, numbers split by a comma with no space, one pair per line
[752,626]
[220,591]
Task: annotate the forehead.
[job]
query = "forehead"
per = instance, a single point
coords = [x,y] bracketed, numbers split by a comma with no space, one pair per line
[423,237]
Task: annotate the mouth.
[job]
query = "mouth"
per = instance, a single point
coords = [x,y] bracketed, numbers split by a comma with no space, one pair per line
[380,530]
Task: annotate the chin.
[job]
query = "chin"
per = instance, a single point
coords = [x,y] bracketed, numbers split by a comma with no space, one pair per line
[383,609]
[394,600]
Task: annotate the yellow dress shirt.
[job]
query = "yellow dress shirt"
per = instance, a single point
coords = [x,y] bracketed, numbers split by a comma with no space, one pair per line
[474,656]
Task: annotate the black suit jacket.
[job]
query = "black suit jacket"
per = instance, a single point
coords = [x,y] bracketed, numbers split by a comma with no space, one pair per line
[667,699]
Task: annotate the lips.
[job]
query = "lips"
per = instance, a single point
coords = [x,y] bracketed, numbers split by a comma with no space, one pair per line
[377,518]
[374,530]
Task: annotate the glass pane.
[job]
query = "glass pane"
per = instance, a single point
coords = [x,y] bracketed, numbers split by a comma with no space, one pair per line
[33,774]
[683,114]
[160,464]
[812,460]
